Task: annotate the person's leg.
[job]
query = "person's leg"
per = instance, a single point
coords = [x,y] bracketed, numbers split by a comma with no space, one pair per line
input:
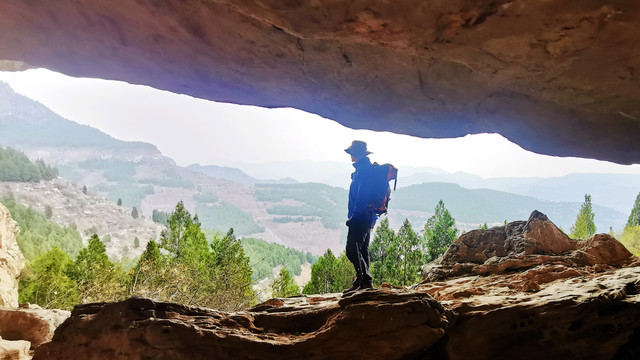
[353,255]
[367,281]
[365,248]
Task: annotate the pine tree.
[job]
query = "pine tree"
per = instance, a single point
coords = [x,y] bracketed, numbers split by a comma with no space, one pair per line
[97,278]
[183,238]
[230,273]
[134,213]
[634,217]
[119,202]
[136,242]
[148,277]
[284,286]
[408,247]
[439,232]
[584,227]
[384,260]
[84,189]
[48,212]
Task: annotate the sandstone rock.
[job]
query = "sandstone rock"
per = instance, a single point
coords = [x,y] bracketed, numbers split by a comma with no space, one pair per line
[556,77]
[523,245]
[579,317]
[14,349]
[376,324]
[11,259]
[31,323]
[527,291]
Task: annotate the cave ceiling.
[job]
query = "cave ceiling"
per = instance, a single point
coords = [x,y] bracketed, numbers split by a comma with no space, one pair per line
[556,77]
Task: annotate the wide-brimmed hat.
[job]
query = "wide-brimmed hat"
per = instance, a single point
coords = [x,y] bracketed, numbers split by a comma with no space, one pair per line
[358,148]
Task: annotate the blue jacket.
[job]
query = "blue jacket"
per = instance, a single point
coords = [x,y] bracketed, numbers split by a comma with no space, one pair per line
[360,193]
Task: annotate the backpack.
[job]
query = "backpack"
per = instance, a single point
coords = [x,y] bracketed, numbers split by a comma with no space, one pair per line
[381,191]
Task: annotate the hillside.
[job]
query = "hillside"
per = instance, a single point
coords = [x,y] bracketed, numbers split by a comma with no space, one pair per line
[88,213]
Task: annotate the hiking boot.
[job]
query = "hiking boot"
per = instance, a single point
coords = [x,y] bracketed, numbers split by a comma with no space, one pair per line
[366,285]
[354,287]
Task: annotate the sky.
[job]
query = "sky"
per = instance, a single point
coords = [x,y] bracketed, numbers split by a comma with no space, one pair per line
[191,130]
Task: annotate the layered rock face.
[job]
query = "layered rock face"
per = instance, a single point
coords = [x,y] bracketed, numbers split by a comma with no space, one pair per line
[520,291]
[30,323]
[377,324]
[11,259]
[527,291]
[556,77]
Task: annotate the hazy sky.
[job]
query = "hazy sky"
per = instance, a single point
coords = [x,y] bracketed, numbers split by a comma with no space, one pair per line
[191,130]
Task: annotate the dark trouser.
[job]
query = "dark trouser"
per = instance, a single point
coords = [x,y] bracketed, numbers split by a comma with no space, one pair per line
[358,251]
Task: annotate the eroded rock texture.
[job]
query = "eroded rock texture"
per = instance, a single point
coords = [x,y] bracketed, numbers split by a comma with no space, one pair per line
[30,323]
[380,324]
[521,291]
[11,259]
[556,77]
[527,291]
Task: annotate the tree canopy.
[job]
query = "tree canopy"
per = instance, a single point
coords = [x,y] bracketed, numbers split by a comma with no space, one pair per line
[584,227]
[284,285]
[439,232]
[634,217]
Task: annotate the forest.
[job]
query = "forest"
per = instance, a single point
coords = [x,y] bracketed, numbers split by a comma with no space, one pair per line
[16,166]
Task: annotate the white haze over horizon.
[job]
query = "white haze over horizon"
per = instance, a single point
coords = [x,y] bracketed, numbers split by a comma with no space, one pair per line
[191,130]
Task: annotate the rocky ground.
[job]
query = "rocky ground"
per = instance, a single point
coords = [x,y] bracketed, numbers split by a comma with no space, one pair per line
[519,291]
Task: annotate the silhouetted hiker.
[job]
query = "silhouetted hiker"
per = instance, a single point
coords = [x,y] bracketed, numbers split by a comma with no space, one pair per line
[362,216]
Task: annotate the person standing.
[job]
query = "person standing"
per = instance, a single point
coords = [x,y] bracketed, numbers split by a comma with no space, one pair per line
[361,215]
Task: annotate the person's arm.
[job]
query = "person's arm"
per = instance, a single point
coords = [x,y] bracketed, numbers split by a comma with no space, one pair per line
[362,198]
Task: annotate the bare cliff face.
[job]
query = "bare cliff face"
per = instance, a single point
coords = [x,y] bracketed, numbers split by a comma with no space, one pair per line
[11,260]
[556,77]
[520,291]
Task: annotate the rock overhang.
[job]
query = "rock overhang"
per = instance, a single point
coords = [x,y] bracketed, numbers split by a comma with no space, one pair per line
[557,78]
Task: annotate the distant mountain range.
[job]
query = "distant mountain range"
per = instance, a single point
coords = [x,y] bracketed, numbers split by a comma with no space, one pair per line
[473,206]
[235,175]
[141,176]
[616,191]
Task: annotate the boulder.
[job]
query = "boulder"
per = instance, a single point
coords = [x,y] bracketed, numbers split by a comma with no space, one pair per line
[31,323]
[527,291]
[592,317]
[523,245]
[11,259]
[376,324]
